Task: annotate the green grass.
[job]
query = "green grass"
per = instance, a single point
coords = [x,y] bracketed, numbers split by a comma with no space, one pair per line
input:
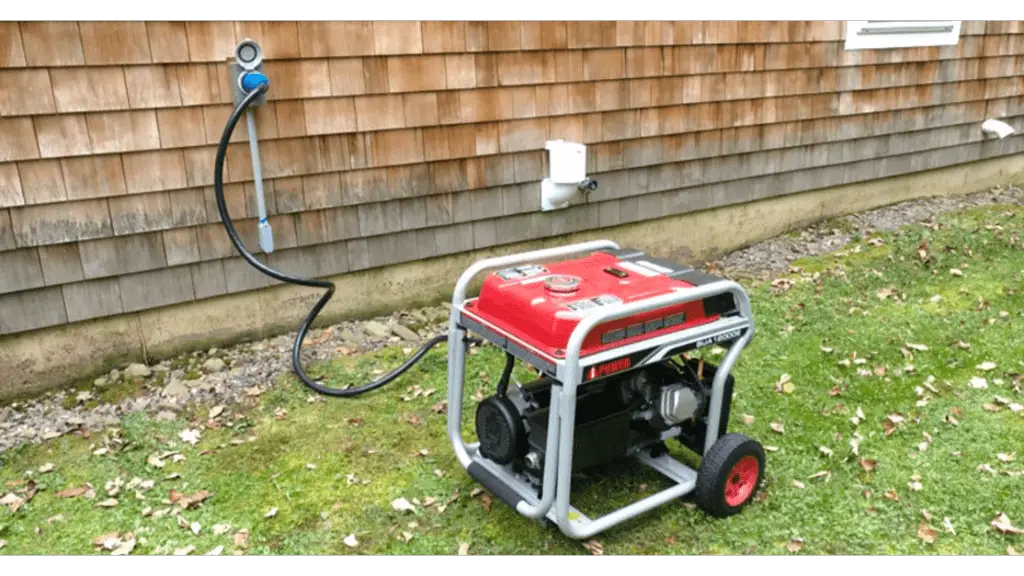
[367,451]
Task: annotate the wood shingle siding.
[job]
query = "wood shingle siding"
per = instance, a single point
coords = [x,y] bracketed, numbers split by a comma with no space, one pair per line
[387,142]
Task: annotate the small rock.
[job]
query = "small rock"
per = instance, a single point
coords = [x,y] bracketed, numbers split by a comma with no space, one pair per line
[176,390]
[211,352]
[101,382]
[114,376]
[214,365]
[376,329]
[165,416]
[137,370]
[404,333]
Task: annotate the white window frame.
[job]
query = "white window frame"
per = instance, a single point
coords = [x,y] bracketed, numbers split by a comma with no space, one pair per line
[881,34]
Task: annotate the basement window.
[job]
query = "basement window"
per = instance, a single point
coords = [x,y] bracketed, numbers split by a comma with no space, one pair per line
[880,34]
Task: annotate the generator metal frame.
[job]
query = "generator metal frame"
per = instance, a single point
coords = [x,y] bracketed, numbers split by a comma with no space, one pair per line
[554,504]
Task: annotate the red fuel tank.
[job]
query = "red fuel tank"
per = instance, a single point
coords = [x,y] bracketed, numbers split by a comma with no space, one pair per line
[540,305]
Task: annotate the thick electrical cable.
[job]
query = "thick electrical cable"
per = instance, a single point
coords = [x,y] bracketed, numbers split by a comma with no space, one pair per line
[218,186]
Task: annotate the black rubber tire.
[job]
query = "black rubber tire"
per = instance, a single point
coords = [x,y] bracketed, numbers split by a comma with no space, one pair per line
[716,470]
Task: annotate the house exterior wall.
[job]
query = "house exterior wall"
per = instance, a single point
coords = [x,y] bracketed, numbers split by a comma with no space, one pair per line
[389,142]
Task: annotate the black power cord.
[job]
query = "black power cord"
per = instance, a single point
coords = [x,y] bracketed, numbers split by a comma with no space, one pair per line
[218,186]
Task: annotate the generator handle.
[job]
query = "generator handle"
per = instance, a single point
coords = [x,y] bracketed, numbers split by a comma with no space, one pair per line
[573,375]
[459,295]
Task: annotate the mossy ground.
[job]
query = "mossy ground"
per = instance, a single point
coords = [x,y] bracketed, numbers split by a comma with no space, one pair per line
[332,467]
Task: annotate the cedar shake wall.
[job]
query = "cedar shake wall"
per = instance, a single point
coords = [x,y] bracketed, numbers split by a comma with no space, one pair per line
[385,142]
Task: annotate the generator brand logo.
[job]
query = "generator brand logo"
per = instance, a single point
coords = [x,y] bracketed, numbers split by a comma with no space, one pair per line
[602,370]
[718,338]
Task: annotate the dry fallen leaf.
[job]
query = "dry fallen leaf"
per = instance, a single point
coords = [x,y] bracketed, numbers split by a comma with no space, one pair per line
[108,503]
[402,505]
[271,513]
[795,545]
[1009,550]
[777,426]
[956,272]
[12,501]
[1002,523]
[986,366]
[868,465]
[240,537]
[748,419]
[48,467]
[124,549]
[184,551]
[948,525]
[216,411]
[798,484]
[926,533]
[785,384]
[190,436]
[215,552]
[188,501]
[978,383]
[463,548]
[594,547]
[1004,457]
[351,541]
[72,492]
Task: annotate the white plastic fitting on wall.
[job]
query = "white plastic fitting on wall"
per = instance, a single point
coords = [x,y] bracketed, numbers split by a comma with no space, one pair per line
[567,163]
[997,128]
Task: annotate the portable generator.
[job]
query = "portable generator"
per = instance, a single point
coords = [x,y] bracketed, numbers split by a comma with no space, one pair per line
[607,333]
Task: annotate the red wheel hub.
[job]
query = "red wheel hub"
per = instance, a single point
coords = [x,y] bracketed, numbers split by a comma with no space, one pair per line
[742,479]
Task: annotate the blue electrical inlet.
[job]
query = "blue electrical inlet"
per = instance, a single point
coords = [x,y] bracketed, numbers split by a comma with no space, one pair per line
[252,80]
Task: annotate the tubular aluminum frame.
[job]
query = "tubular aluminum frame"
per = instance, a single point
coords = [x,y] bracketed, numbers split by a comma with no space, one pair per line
[557,474]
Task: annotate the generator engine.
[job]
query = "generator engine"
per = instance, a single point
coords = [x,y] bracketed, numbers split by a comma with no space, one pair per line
[616,416]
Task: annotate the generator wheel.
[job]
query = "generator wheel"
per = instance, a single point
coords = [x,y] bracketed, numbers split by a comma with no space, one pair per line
[729,475]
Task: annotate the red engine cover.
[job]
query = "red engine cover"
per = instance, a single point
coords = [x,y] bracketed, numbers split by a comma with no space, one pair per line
[541,305]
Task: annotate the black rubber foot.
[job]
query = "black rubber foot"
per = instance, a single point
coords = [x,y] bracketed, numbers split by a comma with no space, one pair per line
[658,450]
[730,475]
